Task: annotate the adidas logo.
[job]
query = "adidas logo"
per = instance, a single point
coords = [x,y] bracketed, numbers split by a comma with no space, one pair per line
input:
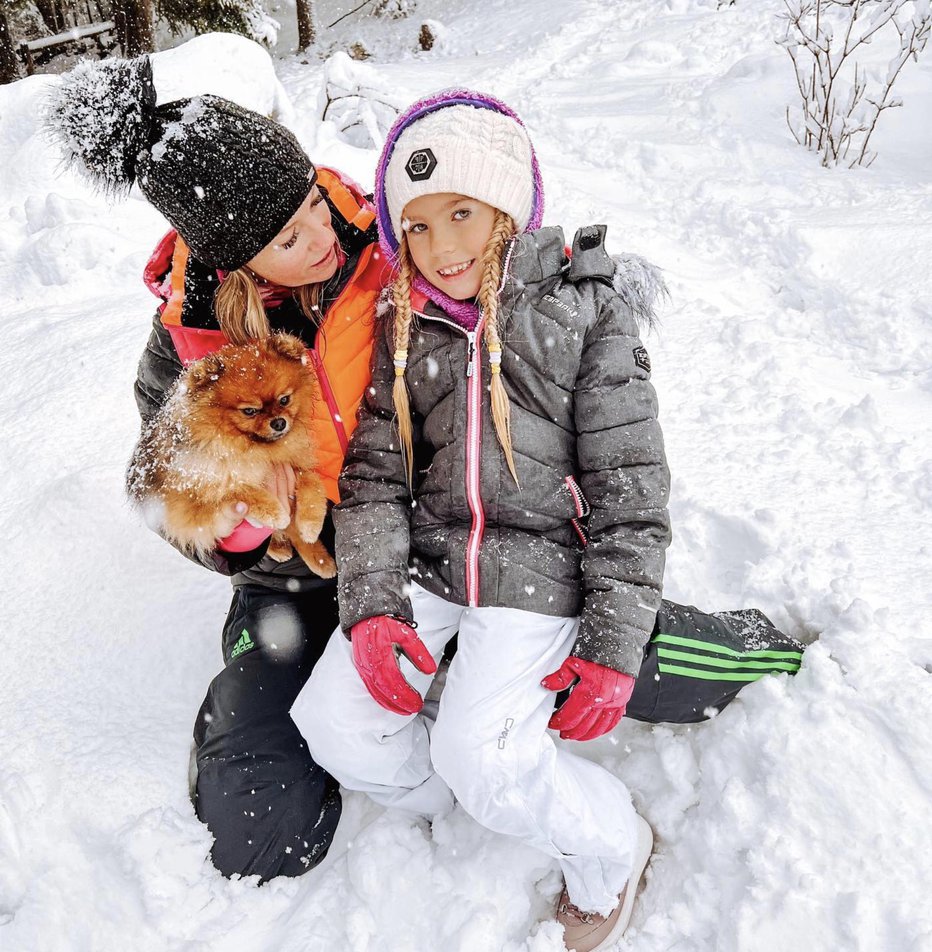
[244,644]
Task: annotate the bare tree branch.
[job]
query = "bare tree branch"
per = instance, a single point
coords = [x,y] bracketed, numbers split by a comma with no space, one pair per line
[837,98]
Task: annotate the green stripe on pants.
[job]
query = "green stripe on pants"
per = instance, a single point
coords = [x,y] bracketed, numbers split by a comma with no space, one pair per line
[721,649]
[791,666]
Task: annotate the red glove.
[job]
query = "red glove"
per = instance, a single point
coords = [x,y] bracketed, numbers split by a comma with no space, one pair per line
[596,703]
[377,643]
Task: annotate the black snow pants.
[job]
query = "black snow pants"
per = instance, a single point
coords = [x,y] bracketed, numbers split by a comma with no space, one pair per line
[272,810]
[695,663]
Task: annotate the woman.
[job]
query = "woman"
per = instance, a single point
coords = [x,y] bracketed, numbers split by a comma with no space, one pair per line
[261,240]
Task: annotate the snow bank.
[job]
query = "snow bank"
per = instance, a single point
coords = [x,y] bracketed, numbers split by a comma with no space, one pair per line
[793,377]
[222,64]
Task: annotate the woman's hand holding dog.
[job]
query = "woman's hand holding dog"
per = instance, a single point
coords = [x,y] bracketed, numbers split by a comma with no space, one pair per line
[281,482]
[243,534]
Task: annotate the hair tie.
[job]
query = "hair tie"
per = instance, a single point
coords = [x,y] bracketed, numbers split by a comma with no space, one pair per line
[495,358]
[400,361]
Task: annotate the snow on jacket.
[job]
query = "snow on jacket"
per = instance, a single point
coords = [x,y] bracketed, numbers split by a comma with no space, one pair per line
[585,439]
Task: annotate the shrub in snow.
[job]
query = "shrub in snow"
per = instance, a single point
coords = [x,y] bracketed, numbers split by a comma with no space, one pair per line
[357,101]
[246,17]
[841,98]
[433,36]
[393,9]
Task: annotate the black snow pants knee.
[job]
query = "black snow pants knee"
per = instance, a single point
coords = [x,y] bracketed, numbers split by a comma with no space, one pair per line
[272,810]
[695,663]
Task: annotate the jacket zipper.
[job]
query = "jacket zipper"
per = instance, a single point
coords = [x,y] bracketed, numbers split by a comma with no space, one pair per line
[474,439]
[326,389]
[329,398]
[582,510]
[473,452]
[473,461]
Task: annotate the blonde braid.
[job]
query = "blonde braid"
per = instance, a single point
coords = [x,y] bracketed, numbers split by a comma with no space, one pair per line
[401,293]
[502,230]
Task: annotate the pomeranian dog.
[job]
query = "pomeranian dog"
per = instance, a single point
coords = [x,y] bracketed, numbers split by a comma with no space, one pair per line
[229,418]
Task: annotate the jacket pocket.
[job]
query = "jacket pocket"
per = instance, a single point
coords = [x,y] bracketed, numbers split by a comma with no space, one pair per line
[580,521]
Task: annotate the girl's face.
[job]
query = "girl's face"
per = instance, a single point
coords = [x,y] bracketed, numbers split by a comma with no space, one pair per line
[447,235]
[304,251]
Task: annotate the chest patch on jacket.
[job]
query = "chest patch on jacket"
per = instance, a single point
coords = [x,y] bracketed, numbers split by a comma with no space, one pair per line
[642,358]
[556,308]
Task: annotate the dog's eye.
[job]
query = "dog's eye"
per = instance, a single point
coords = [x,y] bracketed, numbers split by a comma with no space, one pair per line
[250,411]
[284,401]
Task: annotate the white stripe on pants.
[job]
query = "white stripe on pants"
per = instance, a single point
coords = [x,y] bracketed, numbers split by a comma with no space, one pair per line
[490,745]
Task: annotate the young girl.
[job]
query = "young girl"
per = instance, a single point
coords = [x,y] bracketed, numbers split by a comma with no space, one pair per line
[510,399]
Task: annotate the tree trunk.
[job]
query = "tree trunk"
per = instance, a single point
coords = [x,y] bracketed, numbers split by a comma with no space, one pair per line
[306,34]
[8,65]
[134,19]
[51,15]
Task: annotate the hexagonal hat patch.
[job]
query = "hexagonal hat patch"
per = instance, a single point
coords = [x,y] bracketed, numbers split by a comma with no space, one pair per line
[420,165]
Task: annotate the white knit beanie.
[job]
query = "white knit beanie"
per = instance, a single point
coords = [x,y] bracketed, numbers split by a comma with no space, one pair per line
[467,151]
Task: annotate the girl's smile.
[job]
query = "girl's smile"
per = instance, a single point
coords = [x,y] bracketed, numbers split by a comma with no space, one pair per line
[447,235]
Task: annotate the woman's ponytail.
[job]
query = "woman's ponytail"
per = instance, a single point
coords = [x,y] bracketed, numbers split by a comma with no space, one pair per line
[239,308]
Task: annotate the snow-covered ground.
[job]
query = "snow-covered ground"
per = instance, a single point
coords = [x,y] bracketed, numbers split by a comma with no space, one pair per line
[793,372]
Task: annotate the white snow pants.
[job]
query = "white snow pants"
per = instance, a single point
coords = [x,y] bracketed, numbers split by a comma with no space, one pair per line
[489,746]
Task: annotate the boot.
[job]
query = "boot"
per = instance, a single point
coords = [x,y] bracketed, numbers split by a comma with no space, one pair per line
[590,932]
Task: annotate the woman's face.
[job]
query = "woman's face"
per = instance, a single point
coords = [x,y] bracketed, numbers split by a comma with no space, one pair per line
[304,251]
[447,235]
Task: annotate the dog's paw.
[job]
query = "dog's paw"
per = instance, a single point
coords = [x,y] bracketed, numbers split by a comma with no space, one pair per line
[316,557]
[324,567]
[270,514]
[309,530]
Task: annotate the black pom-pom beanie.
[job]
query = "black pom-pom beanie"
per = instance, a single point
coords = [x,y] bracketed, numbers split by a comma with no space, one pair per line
[228,179]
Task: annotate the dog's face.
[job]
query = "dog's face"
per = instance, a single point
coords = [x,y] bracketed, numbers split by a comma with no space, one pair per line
[249,394]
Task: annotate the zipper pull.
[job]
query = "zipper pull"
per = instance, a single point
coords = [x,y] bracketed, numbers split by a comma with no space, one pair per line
[471,338]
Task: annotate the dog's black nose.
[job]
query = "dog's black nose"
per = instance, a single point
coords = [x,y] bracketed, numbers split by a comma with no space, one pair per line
[278,424]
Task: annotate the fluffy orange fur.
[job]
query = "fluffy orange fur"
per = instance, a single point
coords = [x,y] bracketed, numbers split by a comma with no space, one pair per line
[230,418]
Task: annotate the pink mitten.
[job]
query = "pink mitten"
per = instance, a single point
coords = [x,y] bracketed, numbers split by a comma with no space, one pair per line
[597,700]
[245,537]
[375,641]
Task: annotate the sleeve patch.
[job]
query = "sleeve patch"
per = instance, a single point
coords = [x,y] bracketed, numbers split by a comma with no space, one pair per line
[642,358]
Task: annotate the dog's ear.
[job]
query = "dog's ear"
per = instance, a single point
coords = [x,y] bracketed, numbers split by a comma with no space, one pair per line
[287,345]
[204,372]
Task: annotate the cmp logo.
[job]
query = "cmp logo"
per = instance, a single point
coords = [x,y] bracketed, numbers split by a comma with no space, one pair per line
[421,164]
[503,736]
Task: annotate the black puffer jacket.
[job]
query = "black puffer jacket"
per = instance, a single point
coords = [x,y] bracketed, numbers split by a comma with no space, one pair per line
[160,366]
[585,436]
